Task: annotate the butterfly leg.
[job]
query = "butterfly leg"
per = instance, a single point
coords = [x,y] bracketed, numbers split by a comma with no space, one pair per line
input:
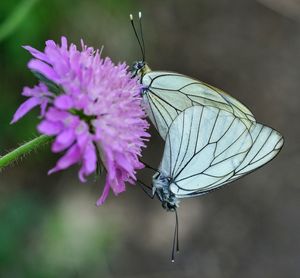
[146,189]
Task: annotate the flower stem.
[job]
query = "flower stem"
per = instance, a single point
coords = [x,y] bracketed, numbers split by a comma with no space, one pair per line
[26,148]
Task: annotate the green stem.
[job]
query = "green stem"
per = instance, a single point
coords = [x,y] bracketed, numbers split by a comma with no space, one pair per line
[26,148]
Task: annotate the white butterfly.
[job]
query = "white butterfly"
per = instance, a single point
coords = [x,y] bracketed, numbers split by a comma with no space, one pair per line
[167,94]
[206,148]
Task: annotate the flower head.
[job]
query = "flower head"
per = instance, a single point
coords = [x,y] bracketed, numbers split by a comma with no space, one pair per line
[92,107]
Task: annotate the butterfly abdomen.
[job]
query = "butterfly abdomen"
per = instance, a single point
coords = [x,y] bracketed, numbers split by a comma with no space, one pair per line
[161,185]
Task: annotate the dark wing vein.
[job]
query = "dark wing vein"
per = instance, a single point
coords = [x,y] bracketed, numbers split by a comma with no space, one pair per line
[159,114]
[213,162]
[187,145]
[212,131]
[181,138]
[162,75]
[230,144]
[209,167]
[164,108]
[198,131]
[221,95]
[262,146]
[151,109]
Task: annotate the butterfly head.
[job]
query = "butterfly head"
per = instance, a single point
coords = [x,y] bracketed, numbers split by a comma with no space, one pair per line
[161,187]
[139,68]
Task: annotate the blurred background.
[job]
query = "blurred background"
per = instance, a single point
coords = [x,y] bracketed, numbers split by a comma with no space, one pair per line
[50,226]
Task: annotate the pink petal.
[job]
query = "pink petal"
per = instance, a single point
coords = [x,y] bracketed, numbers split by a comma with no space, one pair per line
[63,140]
[118,185]
[29,92]
[83,135]
[124,163]
[71,157]
[37,54]
[64,43]
[89,162]
[40,90]
[104,195]
[64,102]
[44,69]
[49,128]
[50,43]
[109,164]
[25,107]
[44,105]
[56,115]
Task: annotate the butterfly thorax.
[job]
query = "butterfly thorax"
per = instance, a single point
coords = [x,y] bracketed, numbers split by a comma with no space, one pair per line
[140,68]
[161,187]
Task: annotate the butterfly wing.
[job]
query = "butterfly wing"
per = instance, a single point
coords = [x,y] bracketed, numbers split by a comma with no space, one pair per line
[267,143]
[167,94]
[203,148]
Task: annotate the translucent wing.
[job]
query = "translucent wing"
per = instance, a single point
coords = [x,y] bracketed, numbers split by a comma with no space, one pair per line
[267,143]
[204,147]
[168,94]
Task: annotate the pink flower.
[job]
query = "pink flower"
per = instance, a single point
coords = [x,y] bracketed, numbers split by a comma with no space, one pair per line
[93,109]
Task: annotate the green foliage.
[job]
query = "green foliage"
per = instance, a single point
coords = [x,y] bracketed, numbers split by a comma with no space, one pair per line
[16,18]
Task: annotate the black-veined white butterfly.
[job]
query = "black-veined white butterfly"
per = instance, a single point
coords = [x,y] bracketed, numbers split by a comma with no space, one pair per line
[207,148]
[166,94]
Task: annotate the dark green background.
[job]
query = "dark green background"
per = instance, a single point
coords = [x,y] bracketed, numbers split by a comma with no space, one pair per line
[49,225]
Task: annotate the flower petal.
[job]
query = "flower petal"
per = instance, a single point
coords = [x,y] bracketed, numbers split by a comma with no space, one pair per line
[44,105]
[37,54]
[64,140]
[118,185]
[49,128]
[25,107]
[64,43]
[55,115]
[64,102]
[124,163]
[104,195]
[71,157]
[44,69]
[89,164]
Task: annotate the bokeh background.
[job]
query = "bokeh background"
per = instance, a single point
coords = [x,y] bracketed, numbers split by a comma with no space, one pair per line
[49,225]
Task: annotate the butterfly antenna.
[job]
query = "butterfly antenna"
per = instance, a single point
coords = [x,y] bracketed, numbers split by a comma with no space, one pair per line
[149,167]
[177,229]
[142,36]
[136,35]
[175,239]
